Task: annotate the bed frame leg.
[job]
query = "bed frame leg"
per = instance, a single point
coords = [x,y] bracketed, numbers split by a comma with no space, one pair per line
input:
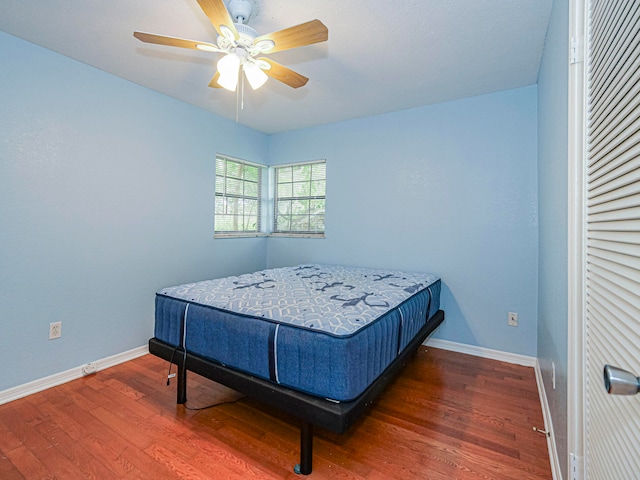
[306,450]
[182,386]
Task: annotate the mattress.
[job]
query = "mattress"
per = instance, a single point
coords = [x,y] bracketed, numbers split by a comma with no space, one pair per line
[326,330]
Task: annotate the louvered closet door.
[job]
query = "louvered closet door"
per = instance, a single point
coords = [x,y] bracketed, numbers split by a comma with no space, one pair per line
[613,236]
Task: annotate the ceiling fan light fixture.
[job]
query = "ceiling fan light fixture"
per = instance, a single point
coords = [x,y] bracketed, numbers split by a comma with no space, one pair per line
[229,67]
[254,74]
[228,82]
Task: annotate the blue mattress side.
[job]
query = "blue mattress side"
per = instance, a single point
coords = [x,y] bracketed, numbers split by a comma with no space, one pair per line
[342,368]
[335,368]
[436,289]
[169,318]
[415,311]
[413,316]
[235,341]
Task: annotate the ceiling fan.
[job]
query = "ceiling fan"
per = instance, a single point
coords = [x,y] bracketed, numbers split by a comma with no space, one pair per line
[242,46]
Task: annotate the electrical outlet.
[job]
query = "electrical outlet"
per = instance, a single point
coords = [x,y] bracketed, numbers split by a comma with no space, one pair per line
[512,319]
[55,330]
[89,368]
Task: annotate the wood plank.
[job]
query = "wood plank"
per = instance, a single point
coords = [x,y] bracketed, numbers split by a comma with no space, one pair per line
[448,415]
[8,470]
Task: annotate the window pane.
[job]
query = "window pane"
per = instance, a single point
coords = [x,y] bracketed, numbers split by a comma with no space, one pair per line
[285,190]
[284,174]
[317,207]
[234,169]
[219,184]
[318,188]
[284,207]
[234,187]
[319,171]
[220,205]
[251,223]
[301,173]
[234,206]
[317,223]
[300,207]
[224,223]
[300,223]
[301,189]
[282,223]
[250,190]
[251,173]
[250,207]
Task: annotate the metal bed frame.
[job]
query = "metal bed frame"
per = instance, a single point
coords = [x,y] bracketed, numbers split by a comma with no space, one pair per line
[312,411]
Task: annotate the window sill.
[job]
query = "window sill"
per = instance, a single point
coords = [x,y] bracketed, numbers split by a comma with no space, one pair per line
[278,235]
[239,235]
[298,235]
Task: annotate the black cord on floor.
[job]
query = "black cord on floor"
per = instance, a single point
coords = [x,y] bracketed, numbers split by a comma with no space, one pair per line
[170,376]
[214,404]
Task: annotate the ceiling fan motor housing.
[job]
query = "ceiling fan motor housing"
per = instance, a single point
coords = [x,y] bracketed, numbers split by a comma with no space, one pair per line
[247,34]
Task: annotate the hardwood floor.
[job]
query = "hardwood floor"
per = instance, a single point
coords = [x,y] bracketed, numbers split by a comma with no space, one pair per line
[448,416]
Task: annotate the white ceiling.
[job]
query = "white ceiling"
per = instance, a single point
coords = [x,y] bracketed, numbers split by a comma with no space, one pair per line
[382,55]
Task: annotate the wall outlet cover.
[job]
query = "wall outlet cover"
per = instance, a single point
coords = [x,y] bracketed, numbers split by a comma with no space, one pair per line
[89,368]
[55,330]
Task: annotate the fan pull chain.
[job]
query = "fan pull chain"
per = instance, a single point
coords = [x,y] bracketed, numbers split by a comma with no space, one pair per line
[242,96]
[237,104]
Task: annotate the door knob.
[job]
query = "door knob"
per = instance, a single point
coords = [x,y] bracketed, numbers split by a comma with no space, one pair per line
[620,382]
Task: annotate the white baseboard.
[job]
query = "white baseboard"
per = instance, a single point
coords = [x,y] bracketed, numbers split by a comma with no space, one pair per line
[482,352]
[548,425]
[20,391]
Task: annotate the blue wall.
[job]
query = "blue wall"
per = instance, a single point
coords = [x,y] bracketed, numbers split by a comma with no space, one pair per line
[450,189]
[553,87]
[106,195]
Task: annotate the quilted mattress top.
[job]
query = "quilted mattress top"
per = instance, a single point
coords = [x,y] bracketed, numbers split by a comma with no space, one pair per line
[334,299]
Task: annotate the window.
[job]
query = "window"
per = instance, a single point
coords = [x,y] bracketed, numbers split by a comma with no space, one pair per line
[238,196]
[299,198]
[294,204]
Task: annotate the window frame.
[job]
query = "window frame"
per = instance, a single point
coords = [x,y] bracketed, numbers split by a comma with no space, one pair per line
[240,197]
[283,232]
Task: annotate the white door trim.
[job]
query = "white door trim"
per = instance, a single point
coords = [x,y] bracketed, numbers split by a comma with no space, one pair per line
[576,239]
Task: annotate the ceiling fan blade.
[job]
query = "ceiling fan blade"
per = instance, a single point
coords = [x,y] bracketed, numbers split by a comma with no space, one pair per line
[219,16]
[174,42]
[214,81]
[284,74]
[304,34]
